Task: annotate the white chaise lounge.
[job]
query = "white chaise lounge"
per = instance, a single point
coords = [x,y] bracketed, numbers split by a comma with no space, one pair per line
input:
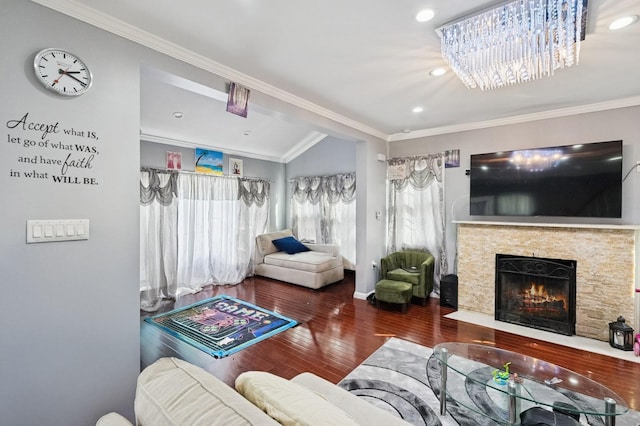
[316,268]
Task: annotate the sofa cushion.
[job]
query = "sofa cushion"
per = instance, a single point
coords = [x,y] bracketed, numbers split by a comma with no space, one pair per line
[400,274]
[310,261]
[361,410]
[113,419]
[264,244]
[289,245]
[287,402]
[173,392]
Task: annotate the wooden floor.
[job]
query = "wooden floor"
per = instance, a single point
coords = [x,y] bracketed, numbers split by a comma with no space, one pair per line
[337,332]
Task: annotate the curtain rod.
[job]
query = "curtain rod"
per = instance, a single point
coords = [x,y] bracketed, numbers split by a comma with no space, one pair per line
[193,172]
[321,176]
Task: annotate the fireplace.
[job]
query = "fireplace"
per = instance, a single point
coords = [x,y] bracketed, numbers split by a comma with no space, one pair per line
[536,292]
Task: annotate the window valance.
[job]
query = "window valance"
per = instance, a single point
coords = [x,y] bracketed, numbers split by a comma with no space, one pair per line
[164,186]
[417,171]
[334,188]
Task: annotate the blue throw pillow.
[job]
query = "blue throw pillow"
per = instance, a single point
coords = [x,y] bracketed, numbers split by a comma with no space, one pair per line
[289,245]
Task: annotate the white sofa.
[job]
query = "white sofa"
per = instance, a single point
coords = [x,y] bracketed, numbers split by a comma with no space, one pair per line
[174,392]
[320,266]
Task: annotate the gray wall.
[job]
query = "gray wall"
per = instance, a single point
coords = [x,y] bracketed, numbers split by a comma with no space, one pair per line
[154,155]
[371,197]
[615,124]
[69,341]
[330,156]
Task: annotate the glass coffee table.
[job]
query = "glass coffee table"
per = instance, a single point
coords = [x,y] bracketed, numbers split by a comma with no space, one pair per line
[500,384]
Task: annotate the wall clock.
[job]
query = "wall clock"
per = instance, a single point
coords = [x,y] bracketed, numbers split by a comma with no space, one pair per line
[62,72]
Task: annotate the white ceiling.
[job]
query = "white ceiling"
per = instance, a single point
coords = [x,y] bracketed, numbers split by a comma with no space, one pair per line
[263,134]
[363,63]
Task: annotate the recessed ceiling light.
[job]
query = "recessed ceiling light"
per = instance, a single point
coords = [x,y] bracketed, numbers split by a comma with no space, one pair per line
[425,15]
[437,72]
[178,114]
[623,22]
[418,109]
[247,132]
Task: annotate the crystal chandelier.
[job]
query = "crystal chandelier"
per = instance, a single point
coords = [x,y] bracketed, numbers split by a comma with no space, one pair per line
[515,42]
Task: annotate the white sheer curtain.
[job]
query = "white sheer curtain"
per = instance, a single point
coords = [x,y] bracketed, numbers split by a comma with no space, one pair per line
[306,209]
[158,244]
[416,208]
[209,238]
[323,210]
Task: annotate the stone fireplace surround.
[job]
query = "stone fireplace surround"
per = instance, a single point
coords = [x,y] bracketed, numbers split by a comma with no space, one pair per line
[605,273]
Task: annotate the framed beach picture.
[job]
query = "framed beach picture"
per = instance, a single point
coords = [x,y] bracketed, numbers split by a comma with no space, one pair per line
[174,160]
[209,162]
[235,167]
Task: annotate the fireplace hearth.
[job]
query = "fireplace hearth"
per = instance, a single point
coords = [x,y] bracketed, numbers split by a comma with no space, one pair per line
[536,292]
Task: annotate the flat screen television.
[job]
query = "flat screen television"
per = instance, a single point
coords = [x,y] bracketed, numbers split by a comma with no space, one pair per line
[573,180]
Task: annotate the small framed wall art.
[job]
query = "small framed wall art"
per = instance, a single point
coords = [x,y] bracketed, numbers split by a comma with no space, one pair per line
[174,160]
[238,100]
[452,158]
[235,167]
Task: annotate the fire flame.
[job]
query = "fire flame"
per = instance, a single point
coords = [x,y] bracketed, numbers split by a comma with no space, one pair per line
[537,290]
[538,294]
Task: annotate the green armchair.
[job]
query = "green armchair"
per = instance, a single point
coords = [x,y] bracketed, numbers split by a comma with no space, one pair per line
[414,267]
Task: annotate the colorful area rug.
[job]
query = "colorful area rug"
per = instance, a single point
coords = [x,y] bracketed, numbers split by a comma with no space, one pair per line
[404,378]
[221,325]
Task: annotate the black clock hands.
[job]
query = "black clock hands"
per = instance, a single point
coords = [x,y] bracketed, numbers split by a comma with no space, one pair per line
[68,74]
[79,81]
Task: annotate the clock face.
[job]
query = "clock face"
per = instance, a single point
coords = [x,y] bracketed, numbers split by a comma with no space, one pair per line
[62,72]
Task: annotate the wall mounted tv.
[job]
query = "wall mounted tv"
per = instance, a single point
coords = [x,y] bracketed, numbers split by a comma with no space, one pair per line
[573,180]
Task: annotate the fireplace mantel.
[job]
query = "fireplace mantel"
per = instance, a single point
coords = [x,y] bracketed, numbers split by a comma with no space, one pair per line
[548,225]
[606,266]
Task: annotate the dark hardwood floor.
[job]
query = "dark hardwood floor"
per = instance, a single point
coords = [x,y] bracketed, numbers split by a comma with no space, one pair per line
[337,333]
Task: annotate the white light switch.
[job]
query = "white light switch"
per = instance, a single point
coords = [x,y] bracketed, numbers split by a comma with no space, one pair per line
[42,231]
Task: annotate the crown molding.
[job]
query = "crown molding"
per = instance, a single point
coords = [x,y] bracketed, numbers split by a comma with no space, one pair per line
[115,26]
[312,138]
[544,115]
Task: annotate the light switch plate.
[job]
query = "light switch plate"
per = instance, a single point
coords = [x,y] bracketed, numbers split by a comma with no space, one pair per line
[44,231]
